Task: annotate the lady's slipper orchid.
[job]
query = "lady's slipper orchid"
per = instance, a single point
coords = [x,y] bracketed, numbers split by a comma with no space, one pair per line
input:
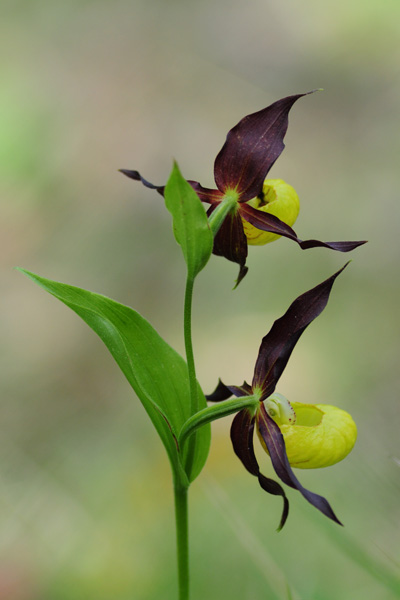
[240,169]
[294,435]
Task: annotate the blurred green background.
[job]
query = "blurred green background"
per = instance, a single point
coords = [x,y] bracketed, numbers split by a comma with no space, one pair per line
[89,87]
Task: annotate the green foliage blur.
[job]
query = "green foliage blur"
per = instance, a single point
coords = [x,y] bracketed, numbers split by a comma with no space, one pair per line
[89,87]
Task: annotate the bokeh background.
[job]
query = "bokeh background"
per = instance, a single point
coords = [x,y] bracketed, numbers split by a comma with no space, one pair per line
[89,87]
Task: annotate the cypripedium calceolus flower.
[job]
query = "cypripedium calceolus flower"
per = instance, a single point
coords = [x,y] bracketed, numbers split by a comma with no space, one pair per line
[297,435]
[262,210]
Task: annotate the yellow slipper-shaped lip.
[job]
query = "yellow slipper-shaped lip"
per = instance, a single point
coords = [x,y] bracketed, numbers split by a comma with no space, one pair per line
[279,199]
[322,435]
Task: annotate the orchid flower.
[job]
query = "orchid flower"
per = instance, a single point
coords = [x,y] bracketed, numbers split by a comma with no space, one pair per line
[260,210]
[293,434]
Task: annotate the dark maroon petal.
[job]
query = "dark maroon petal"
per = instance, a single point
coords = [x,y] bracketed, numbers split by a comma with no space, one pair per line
[266,222]
[242,433]
[241,390]
[275,443]
[242,274]
[339,246]
[274,488]
[251,148]
[206,194]
[277,346]
[231,242]
[137,177]
[221,393]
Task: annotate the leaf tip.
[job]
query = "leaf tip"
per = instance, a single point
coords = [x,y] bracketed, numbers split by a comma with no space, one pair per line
[25,272]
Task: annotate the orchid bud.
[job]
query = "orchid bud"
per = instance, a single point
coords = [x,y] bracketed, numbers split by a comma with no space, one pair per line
[322,435]
[277,198]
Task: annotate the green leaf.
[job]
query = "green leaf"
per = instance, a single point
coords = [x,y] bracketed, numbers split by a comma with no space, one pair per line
[157,373]
[190,223]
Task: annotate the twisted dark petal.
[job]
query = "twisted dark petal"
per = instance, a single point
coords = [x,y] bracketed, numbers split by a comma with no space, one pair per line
[231,242]
[251,148]
[242,274]
[241,390]
[223,392]
[206,194]
[137,177]
[277,346]
[266,222]
[275,443]
[274,488]
[339,246]
[242,432]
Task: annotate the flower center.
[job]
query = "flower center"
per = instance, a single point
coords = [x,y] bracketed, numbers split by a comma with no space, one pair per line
[231,197]
[280,410]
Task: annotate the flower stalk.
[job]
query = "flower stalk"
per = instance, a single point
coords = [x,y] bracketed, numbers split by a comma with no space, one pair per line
[187,328]
[182,540]
[218,216]
[212,413]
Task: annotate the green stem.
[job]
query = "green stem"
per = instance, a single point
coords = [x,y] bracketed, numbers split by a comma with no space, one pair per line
[217,217]
[182,540]
[216,411]
[181,492]
[194,401]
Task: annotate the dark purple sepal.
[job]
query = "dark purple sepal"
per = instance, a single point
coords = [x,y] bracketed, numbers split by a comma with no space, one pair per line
[206,194]
[231,242]
[242,433]
[338,246]
[241,390]
[137,177]
[242,274]
[274,488]
[251,148]
[275,443]
[221,393]
[271,223]
[277,346]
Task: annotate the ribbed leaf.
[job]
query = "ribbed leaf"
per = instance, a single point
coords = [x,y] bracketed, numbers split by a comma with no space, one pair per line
[154,370]
[190,223]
